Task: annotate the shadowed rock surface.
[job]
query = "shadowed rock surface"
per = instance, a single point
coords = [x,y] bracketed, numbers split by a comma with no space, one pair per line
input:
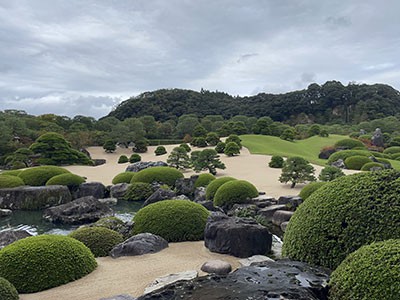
[139,244]
[141,165]
[10,236]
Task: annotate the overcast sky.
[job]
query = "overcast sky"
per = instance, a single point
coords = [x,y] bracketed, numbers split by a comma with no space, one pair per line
[83,57]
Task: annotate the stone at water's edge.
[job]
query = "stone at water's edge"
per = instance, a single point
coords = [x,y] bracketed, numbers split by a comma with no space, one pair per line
[95,189]
[163,281]
[284,279]
[118,190]
[34,197]
[159,195]
[10,236]
[139,244]
[5,212]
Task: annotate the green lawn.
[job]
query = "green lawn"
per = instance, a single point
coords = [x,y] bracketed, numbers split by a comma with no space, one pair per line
[308,148]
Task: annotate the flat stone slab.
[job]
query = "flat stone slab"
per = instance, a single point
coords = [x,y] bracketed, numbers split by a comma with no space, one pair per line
[281,216]
[217,266]
[161,282]
[120,297]
[245,262]
[139,244]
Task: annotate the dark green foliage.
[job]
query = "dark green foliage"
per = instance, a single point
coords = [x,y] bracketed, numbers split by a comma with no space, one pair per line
[160,150]
[11,173]
[186,147]
[70,180]
[220,147]
[215,185]
[109,146]
[310,188]
[204,180]
[349,144]
[212,138]
[395,141]
[123,159]
[174,220]
[7,290]
[372,165]
[207,159]
[288,134]
[343,154]
[135,158]
[234,138]
[323,133]
[356,162]
[165,175]
[199,131]
[8,181]
[99,240]
[178,158]
[372,272]
[276,162]
[297,170]
[123,177]
[234,192]
[164,142]
[392,150]
[199,142]
[385,162]
[231,149]
[60,259]
[343,215]
[394,156]
[140,146]
[138,191]
[38,176]
[314,130]
[330,173]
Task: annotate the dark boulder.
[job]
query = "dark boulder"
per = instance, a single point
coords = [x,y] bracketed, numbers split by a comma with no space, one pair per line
[159,195]
[339,164]
[98,161]
[377,138]
[5,212]
[199,194]
[185,186]
[118,190]
[269,211]
[95,189]
[141,165]
[325,153]
[139,244]
[10,236]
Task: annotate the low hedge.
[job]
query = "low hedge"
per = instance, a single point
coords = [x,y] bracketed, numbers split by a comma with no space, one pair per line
[174,220]
[392,150]
[343,154]
[233,192]
[356,162]
[370,165]
[123,159]
[38,176]
[204,180]
[165,175]
[68,179]
[138,191]
[124,177]
[99,240]
[8,181]
[11,172]
[310,188]
[214,186]
[41,262]
[7,290]
[372,272]
[343,215]
[349,144]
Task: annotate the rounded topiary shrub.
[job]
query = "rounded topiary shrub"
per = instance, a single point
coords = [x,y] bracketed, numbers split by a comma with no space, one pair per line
[343,215]
[372,165]
[165,175]
[41,262]
[124,177]
[135,158]
[204,180]
[38,176]
[394,156]
[8,181]
[7,290]
[392,150]
[233,192]
[160,150]
[349,144]
[215,185]
[310,188]
[330,173]
[385,162]
[174,220]
[356,162]
[68,179]
[372,272]
[276,162]
[343,154]
[99,240]
[123,159]
[11,172]
[138,191]
[186,147]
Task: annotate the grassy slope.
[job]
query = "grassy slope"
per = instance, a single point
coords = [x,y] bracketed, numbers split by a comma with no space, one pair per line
[308,148]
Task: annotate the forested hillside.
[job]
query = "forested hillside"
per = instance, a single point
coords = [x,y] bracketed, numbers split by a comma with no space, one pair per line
[330,102]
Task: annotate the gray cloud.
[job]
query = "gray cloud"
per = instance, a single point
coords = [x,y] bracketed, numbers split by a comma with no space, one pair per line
[82,57]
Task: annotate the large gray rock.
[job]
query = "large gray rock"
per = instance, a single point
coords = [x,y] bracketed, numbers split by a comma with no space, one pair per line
[141,165]
[118,190]
[159,195]
[240,237]
[5,212]
[377,138]
[139,244]
[80,211]
[217,266]
[95,189]
[185,186]
[269,211]
[163,281]
[199,194]
[281,216]
[339,164]
[34,197]
[10,236]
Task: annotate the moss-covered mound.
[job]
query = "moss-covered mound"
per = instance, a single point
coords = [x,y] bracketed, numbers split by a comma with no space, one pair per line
[344,215]
[204,180]
[123,159]
[215,185]
[135,158]
[356,162]
[349,144]
[112,223]
[165,175]
[138,191]
[124,177]
[235,191]
[67,179]
[392,150]
[347,153]
[38,176]
[41,262]
[174,220]
[8,181]
[11,172]
[310,188]
[372,272]
[160,150]
[7,290]
[372,165]
[99,240]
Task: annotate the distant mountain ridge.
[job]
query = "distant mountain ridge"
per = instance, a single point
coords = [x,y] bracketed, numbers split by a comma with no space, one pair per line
[330,102]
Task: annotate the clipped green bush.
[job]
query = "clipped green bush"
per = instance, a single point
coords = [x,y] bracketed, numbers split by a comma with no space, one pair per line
[231,149]
[124,177]
[370,165]
[38,176]
[233,192]
[372,272]
[384,162]
[356,162]
[8,181]
[186,147]
[395,156]
[68,179]
[160,150]
[349,144]
[112,223]
[174,220]
[165,175]
[41,262]
[7,290]
[276,162]
[330,173]
[392,150]
[11,172]
[310,188]
[135,158]
[343,215]
[99,240]
[123,159]
[378,154]
[204,180]
[138,191]
[220,147]
[214,186]
[343,154]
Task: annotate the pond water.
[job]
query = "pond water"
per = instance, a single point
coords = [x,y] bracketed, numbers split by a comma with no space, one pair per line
[33,222]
